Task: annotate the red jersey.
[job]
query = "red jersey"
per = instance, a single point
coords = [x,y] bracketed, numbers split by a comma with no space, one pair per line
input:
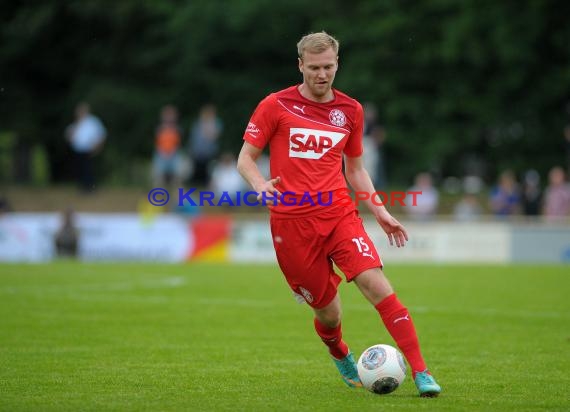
[306,144]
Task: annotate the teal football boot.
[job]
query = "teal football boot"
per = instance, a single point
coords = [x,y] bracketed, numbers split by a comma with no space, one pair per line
[426,384]
[348,370]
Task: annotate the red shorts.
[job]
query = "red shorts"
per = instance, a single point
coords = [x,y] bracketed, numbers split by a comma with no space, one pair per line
[306,248]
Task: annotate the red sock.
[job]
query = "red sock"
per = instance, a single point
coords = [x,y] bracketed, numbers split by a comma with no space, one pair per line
[399,323]
[332,337]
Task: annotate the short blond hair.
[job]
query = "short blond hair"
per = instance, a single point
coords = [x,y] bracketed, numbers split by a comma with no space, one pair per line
[317,43]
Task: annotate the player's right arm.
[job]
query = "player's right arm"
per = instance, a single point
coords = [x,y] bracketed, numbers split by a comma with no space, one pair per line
[260,129]
[248,169]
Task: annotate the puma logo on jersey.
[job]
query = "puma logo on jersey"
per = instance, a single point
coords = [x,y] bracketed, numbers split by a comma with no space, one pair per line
[312,143]
[301,109]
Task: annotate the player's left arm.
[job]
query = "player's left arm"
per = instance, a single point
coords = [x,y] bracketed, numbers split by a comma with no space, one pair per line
[360,181]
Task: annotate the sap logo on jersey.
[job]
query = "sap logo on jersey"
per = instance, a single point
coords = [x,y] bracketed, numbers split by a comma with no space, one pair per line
[312,143]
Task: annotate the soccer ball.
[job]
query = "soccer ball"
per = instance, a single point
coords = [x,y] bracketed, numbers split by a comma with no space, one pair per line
[381,369]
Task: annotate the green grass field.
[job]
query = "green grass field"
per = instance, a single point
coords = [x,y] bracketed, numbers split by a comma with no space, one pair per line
[203,337]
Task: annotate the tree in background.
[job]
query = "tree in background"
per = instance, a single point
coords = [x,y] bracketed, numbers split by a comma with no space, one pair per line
[460,86]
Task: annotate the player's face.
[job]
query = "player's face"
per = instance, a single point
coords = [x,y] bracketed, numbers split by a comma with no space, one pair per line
[318,71]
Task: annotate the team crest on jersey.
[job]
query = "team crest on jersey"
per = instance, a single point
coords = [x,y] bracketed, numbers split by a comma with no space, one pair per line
[312,143]
[337,117]
[306,294]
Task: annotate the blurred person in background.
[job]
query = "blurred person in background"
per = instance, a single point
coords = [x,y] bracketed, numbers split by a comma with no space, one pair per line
[426,202]
[468,209]
[557,195]
[86,136]
[373,139]
[66,239]
[225,176]
[505,197]
[567,146]
[204,143]
[370,153]
[531,193]
[381,178]
[4,205]
[169,164]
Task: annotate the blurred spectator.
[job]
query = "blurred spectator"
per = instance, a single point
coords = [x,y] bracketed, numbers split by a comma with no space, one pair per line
[67,237]
[531,193]
[373,140]
[472,184]
[4,205]
[169,164]
[225,176]
[505,198]
[204,143]
[451,185]
[86,136]
[467,209]
[557,194]
[567,144]
[380,178]
[426,202]
[370,153]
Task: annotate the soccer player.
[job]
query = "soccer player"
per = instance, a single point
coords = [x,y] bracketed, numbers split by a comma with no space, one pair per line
[309,129]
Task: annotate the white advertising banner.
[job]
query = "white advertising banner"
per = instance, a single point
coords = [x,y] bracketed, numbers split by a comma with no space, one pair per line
[446,242]
[128,237]
[251,242]
[429,242]
[27,237]
[102,237]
